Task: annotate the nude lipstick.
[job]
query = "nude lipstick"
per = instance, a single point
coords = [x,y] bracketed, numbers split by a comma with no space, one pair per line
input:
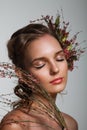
[57,81]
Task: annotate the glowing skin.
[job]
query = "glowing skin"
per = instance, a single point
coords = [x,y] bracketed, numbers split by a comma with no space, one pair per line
[48,63]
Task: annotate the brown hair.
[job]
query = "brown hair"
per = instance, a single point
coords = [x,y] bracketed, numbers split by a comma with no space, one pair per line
[21,39]
[17,46]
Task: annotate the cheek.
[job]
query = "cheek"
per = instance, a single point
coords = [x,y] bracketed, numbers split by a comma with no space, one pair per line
[40,75]
[64,69]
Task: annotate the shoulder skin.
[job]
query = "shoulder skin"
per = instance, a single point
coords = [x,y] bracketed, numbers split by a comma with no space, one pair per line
[70,122]
[17,120]
[9,121]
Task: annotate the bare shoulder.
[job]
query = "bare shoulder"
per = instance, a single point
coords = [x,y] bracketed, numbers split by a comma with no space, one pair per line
[70,121]
[22,120]
[10,121]
[11,126]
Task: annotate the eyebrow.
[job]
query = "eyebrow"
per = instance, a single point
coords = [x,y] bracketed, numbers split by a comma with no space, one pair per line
[61,51]
[42,58]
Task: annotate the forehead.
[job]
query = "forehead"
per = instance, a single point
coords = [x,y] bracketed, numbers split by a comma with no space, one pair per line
[45,45]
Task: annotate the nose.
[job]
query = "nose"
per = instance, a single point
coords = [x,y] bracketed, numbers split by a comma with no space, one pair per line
[54,68]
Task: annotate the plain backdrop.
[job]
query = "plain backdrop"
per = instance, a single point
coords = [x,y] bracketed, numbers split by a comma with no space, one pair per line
[15,14]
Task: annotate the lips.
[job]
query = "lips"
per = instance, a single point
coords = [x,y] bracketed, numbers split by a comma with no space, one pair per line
[57,81]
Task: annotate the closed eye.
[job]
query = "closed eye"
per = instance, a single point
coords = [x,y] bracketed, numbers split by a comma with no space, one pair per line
[60,57]
[39,66]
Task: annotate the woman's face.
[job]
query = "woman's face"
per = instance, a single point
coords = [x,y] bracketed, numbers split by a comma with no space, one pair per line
[48,64]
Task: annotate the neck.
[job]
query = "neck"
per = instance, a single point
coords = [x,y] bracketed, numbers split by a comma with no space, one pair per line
[54,96]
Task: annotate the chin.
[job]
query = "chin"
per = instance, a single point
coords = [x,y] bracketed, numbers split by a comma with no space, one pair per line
[58,89]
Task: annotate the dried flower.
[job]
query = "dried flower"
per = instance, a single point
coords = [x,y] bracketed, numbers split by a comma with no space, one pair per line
[60,30]
[7,70]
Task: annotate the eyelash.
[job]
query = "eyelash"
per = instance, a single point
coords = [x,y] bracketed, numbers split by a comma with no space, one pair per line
[39,67]
[59,60]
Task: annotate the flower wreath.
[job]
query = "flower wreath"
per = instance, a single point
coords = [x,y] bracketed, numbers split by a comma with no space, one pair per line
[70,46]
[60,30]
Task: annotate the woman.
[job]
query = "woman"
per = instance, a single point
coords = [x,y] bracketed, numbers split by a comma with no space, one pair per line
[42,59]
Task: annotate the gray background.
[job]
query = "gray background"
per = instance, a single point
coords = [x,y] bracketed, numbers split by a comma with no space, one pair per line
[17,13]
